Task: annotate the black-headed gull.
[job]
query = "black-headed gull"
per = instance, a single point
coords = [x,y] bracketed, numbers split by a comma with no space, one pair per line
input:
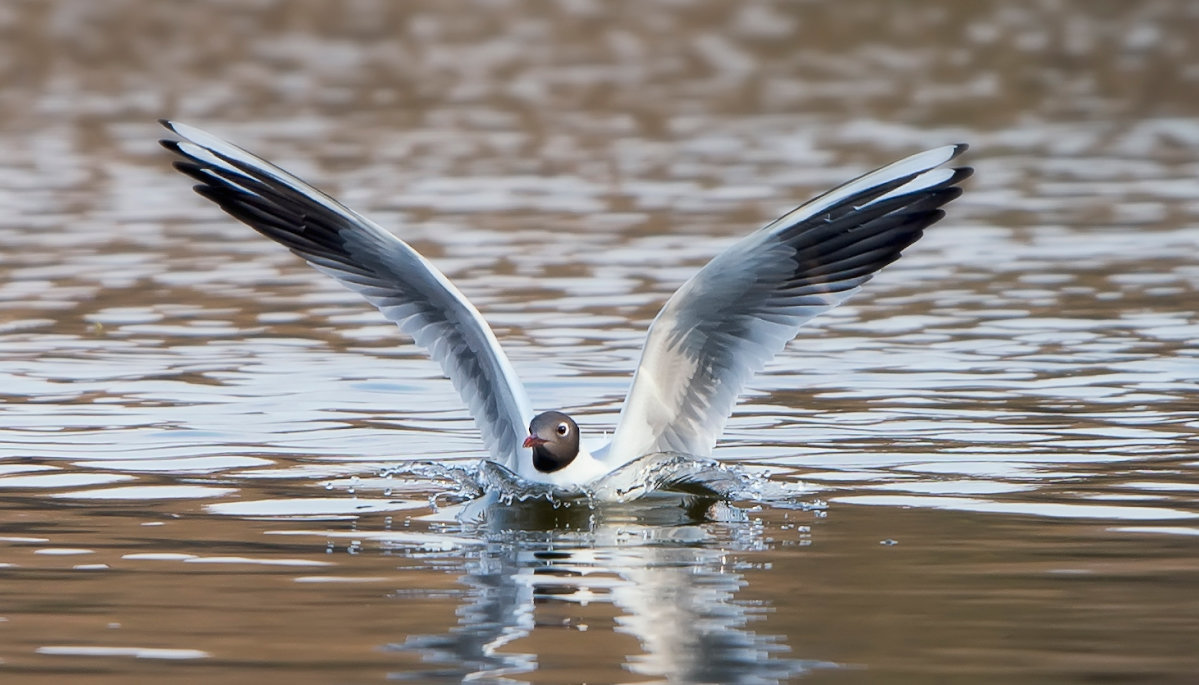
[713,334]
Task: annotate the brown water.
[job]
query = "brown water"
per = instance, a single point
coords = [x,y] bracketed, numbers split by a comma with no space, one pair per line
[998,440]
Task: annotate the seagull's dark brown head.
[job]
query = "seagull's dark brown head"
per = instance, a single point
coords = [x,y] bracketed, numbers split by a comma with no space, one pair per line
[554,437]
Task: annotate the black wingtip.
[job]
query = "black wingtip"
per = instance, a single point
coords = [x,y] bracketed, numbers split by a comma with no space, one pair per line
[193,170]
[961,174]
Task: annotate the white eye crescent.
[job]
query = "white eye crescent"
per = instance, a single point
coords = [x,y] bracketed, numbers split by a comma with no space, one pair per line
[563,429]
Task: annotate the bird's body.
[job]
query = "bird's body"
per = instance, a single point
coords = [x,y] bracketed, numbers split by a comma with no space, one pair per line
[713,334]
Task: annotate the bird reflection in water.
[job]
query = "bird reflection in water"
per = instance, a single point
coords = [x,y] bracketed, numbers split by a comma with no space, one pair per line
[668,566]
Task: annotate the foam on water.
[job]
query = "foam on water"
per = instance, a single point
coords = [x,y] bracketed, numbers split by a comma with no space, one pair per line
[656,474]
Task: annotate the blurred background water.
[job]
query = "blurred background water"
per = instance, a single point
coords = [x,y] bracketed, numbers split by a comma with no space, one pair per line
[995,446]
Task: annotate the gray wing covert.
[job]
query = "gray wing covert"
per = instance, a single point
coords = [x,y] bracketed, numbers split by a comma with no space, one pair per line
[392,276]
[723,326]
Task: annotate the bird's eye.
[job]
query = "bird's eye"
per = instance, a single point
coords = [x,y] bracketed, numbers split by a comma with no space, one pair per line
[563,429]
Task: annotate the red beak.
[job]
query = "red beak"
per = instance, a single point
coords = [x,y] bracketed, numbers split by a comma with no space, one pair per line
[533,441]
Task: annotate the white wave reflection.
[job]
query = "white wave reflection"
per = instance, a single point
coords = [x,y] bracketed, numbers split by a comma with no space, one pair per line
[256,561]
[1047,509]
[310,507]
[133,652]
[1156,530]
[198,559]
[178,464]
[148,492]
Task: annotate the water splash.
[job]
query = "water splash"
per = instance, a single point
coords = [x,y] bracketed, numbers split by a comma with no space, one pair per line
[654,474]
[454,483]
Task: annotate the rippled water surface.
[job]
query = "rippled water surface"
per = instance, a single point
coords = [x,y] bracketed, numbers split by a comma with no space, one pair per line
[217,466]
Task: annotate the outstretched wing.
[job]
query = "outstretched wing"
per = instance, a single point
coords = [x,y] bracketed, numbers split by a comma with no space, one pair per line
[724,324]
[374,263]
